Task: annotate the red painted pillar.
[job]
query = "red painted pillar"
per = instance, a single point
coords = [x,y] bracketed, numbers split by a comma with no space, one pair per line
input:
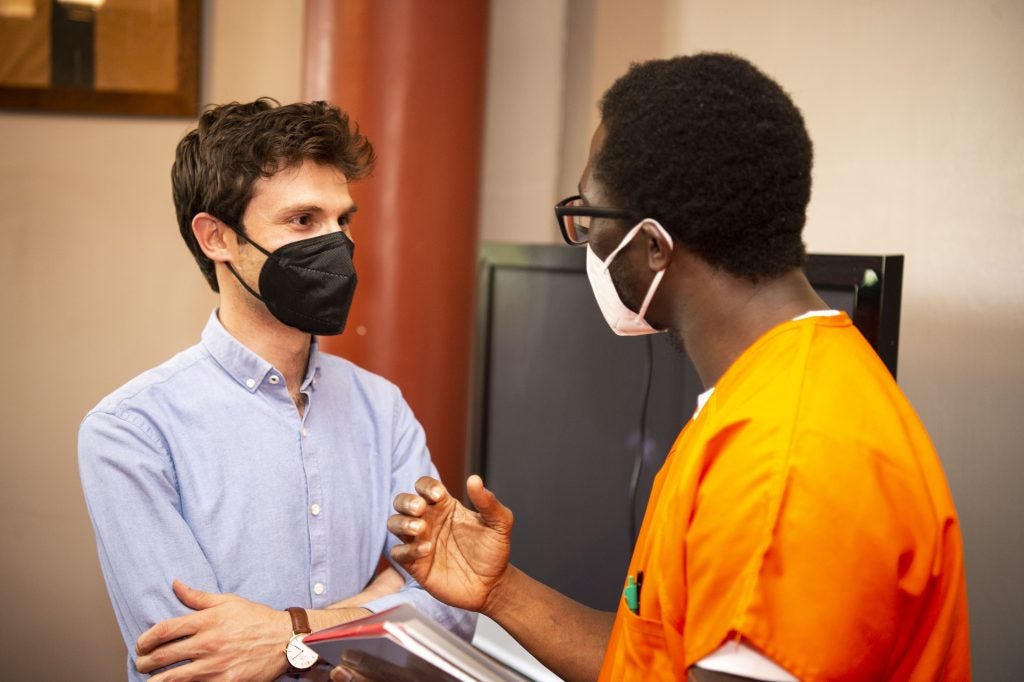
[411,74]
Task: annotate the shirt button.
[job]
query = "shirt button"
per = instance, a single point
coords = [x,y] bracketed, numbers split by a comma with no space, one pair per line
[318,588]
[250,382]
[314,509]
[274,379]
[305,433]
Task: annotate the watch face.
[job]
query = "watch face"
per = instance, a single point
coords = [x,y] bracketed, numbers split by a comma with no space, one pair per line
[299,655]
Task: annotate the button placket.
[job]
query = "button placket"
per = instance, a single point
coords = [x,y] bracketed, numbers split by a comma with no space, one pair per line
[317,521]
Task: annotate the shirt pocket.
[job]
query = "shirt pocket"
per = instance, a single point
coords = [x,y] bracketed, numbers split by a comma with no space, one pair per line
[643,655]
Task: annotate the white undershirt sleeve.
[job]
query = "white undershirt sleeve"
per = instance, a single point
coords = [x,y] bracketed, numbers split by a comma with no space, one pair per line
[737,658]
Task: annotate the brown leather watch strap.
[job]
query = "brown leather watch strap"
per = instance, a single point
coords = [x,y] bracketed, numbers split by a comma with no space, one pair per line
[300,621]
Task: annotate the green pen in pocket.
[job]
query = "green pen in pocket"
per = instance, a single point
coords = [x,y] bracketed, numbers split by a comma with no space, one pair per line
[632,592]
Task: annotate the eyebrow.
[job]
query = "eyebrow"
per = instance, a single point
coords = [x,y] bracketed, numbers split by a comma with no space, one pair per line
[313,208]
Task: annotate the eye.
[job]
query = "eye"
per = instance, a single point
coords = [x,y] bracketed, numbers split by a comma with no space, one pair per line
[303,219]
[345,219]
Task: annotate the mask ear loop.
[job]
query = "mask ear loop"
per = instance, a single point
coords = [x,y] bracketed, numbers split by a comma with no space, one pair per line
[242,282]
[650,294]
[247,240]
[625,240]
[651,290]
[232,269]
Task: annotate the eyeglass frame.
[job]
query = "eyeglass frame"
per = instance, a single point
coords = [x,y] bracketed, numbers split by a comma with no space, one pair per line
[562,211]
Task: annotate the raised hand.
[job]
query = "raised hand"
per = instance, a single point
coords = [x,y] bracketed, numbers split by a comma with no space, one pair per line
[459,556]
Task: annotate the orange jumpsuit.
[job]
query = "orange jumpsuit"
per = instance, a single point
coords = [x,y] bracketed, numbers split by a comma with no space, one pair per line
[805,512]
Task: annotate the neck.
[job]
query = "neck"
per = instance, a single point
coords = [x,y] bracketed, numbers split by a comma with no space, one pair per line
[728,314]
[286,348]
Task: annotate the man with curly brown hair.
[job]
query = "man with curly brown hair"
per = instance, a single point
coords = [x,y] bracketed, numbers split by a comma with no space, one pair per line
[239,491]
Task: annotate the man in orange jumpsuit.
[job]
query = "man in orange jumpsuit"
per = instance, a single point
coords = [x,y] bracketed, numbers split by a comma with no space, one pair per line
[801,527]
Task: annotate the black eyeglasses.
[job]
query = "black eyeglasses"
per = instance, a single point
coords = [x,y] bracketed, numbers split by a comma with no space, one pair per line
[574,218]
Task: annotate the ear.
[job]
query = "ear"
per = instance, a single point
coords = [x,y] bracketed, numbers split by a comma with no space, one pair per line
[659,246]
[217,240]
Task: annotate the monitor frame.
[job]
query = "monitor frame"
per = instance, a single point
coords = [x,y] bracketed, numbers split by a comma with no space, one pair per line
[875,281]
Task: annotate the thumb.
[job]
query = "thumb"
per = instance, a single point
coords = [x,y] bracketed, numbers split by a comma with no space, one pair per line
[494,514]
[195,599]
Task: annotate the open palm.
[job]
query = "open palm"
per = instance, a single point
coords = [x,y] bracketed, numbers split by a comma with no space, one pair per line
[457,555]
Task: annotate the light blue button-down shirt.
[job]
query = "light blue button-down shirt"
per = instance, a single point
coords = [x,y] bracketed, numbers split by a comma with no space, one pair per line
[202,469]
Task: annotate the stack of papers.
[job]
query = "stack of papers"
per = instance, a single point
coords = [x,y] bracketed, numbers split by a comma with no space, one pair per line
[403,644]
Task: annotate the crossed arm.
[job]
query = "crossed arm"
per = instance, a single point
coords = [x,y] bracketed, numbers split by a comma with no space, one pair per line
[153,563]
[229,637]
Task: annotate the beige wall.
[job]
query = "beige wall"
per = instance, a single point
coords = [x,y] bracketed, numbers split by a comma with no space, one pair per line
[95,286]
[548,63]
[523,102]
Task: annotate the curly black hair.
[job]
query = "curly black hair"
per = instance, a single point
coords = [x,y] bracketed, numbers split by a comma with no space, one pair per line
[217,164]
[716,152]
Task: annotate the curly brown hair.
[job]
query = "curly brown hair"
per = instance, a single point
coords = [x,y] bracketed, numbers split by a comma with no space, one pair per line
[234,145]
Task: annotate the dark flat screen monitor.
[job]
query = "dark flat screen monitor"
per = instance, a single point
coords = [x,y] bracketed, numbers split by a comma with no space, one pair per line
[558,404]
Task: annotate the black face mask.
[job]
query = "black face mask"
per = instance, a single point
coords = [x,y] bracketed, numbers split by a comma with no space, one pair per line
[308,284]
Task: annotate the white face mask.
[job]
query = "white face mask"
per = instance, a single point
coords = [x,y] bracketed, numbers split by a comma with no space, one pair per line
[621,319]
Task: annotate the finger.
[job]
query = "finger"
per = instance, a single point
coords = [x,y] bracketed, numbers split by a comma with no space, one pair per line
[163,656]
[365,666]
[344,674]
[409,504]
[431,489]
[166,631]
[196,599]
[406,527]
[410,553]
[190,672]
[340,674]
[492,511]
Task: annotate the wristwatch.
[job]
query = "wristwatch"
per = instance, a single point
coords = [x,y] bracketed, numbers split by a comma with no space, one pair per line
[300,656]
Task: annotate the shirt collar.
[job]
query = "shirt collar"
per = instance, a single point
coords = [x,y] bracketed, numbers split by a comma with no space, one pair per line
[245,366]
[816,313]
[703,398]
